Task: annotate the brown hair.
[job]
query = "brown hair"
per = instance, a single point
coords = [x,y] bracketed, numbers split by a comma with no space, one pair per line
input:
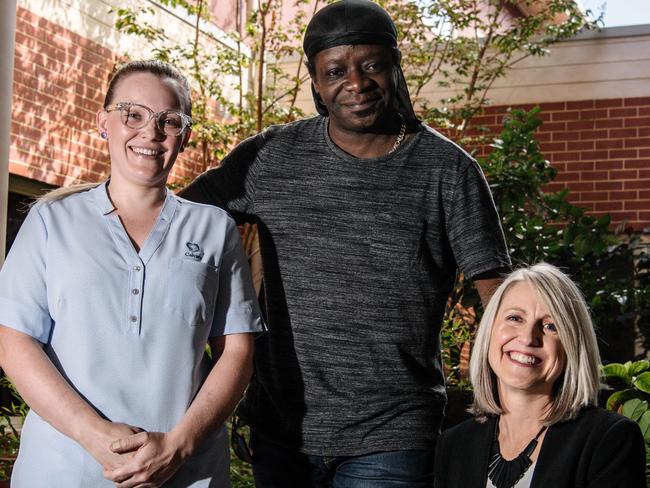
[157,68]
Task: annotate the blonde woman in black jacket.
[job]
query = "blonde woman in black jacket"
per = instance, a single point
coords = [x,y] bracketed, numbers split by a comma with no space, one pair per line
[535,374]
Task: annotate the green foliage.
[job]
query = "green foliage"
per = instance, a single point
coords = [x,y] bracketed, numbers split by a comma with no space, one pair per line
[465,46]
[631,382]
[541,225]
[10,419]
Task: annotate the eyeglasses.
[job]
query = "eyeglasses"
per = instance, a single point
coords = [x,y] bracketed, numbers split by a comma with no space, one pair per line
[136,116]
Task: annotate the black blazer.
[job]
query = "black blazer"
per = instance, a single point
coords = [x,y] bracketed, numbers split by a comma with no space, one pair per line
[598,449]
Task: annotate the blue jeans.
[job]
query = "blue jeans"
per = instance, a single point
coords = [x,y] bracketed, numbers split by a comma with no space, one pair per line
[275,466]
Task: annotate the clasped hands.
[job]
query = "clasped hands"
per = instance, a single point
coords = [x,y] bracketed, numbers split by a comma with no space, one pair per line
[132,458]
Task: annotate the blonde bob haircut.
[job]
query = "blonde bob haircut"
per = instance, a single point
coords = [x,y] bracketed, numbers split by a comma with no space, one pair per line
[577,386]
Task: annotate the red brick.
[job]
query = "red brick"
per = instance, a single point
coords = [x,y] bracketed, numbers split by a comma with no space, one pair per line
[584,155]
[622,153]
[582,166]
[609,185]
[581,186]
[645,217]
[644,111]
[638,205]
[609,144]
[553,127]
[543,136]
[580,125]
[561,167]
[644,153]
[636,184]
[483,120]
[547,107]
[586,205]
[637,164]
[554,187]
[581,104]
[566,176]
[615,113]
[496,109]
[565,136]
[644,195]
[608,123]
[593,175]
[621,133]
[580,145]
[624,174]
[593,134]
[622,195]
[553,146]
[629,102]
[593,114]
[594,196]
[565,156]
[558,116]
[609,206]
[608,164]
[643,132]
[637,122]
[644,142]
[644,173]
[612,102]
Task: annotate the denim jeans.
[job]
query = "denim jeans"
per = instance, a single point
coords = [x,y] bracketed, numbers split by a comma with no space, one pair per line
[275,466]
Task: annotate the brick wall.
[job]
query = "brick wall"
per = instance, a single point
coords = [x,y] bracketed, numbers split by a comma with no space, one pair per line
[59,84]
[601,149]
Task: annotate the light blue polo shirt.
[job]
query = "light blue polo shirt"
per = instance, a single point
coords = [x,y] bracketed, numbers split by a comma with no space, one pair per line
[127,329]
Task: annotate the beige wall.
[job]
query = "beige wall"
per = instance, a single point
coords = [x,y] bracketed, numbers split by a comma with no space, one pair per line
[612,63]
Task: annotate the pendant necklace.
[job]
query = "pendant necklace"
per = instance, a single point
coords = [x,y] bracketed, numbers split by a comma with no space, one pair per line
[506,474]
[400,135]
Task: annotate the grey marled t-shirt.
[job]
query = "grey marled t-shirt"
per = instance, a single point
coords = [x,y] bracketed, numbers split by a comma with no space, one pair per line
[359,258]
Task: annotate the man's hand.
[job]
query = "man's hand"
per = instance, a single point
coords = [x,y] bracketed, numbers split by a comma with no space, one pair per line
[156,457]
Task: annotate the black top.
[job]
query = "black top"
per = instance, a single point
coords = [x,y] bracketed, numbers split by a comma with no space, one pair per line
[598,449]
[359,257]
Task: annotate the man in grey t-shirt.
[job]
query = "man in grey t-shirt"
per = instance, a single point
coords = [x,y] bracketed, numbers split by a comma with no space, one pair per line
[364,215]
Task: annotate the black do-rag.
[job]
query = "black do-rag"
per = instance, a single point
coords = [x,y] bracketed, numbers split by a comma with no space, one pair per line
[349,22]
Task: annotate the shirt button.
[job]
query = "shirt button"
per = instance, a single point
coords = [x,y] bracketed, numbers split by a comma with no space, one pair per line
[135,291]
[136,268]
[133,318]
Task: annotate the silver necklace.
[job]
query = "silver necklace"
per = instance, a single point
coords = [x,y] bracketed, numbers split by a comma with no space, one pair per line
[400,135]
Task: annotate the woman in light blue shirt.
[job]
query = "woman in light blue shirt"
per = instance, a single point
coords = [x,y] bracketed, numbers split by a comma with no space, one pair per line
[107,301]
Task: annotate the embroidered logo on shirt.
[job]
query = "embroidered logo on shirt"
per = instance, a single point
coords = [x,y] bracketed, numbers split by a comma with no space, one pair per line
[194,251]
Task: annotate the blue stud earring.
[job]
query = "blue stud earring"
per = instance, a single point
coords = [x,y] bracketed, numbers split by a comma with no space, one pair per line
[104,135]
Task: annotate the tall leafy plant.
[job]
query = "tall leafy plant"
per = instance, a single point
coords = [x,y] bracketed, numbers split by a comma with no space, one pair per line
[545,226]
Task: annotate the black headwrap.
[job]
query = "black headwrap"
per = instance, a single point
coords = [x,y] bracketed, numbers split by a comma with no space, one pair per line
[355,22]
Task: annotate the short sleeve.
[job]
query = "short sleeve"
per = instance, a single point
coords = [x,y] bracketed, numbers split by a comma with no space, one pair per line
[23,283]
[230,186]
[237,309]
[474,228]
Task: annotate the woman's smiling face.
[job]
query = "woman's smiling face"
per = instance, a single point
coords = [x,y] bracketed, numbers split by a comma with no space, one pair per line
[525,351]
[142,156]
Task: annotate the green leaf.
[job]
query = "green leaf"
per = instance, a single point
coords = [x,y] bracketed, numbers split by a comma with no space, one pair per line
[634,408]
[616,370]
[642,382]
[644,424]
[638,367]
[620,397]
